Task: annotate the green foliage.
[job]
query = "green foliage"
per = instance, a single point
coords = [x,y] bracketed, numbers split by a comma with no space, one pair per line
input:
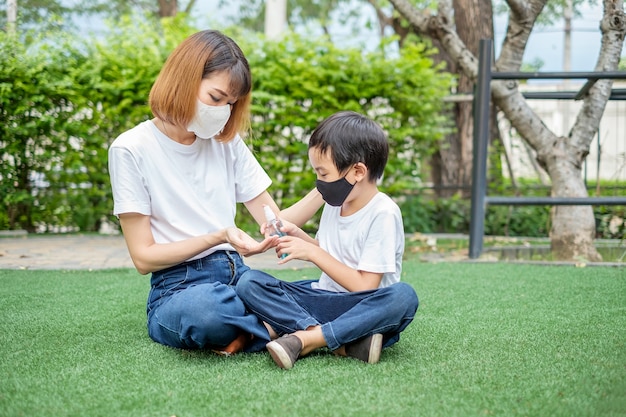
[552,12]
[116,81]
[610,222]
[300,13]
[50,15]
[528,221]
[299,82]
[424,214]
[533,66]
[41,112]
[43,15]
[64,103]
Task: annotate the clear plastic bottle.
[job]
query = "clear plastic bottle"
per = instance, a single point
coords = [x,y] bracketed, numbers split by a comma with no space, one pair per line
[273,225]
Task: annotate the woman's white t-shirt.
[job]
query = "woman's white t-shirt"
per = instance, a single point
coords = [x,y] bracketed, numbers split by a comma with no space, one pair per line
[187,190]
[372,240]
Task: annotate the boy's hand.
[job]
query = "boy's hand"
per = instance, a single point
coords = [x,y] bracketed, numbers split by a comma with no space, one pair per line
[294,248]
[289,228]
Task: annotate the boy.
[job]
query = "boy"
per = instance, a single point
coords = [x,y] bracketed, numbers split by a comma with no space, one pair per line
[358,304]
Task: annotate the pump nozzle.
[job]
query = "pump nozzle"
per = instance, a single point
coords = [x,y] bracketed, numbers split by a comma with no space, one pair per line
[269,214]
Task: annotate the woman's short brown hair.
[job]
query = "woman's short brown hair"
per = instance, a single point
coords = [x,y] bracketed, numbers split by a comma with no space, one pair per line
[174,94]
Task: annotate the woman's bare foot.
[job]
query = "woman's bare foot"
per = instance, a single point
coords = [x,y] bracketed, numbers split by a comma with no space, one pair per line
[271,331]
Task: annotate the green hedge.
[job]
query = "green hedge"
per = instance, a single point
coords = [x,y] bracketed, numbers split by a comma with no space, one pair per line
[63,102]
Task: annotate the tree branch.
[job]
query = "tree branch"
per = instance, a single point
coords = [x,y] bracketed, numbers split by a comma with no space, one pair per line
[383,19]
[519,7]
[613,27]
[521,21]
[418,20]
[190,6]
[522,18]
[441,27]
[446,10]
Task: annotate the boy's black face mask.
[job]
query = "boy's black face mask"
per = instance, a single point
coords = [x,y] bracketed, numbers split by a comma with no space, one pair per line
[336,192]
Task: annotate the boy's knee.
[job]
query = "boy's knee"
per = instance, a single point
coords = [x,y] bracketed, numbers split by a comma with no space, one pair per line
[243,285]
[248,283]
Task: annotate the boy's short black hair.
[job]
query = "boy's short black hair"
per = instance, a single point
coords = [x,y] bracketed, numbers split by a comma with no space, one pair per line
[352,138]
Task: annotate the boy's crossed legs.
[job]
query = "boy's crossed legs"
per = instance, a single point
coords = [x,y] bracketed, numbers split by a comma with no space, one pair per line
[353,324]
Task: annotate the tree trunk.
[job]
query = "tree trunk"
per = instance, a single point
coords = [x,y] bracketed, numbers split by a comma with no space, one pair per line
[466,15]
[451,165]
[168,8]
[447,163]
[573,227]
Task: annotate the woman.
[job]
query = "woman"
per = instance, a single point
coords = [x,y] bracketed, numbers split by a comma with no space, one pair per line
[176,180]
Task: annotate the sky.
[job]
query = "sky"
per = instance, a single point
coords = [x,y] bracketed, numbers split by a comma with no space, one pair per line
[547,43]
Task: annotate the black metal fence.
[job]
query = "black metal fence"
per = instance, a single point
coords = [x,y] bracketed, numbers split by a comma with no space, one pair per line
[482,98]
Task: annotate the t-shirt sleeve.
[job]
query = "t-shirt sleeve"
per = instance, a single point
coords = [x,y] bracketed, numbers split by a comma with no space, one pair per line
[129,191]
[379,251]
[250,177]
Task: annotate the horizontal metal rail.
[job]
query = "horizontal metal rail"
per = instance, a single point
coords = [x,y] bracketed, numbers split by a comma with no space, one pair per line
[616,94]
[556,201]
[615,75]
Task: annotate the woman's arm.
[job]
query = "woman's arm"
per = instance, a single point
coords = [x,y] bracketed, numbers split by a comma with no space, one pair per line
[301,211]
[149,256]
[255,206]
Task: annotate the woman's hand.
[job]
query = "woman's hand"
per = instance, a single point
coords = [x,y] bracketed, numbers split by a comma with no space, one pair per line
[245,244]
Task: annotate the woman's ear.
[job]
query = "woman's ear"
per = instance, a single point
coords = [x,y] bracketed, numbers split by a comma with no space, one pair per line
[360,171]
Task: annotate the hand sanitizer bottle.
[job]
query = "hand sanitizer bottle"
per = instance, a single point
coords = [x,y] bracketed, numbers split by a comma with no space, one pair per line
[273,225]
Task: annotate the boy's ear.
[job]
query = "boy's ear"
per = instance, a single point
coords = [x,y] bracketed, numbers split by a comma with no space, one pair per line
[360,171]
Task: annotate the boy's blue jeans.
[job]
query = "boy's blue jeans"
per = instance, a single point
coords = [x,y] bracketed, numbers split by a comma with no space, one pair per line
[194,305]
[343,316]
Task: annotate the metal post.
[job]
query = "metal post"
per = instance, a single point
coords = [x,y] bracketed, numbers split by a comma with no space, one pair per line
[482,101]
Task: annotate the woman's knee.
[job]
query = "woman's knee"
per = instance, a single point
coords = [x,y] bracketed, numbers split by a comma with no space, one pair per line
[404,295]
[197,316]
[204,304]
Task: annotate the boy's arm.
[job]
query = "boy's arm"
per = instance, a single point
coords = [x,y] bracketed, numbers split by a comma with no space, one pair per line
[349,278]
[309,250]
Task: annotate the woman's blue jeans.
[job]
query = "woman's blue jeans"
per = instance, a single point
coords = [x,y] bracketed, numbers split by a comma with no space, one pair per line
[343,316]
[194,305]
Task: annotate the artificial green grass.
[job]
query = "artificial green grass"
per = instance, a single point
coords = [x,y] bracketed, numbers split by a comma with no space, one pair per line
[488,339]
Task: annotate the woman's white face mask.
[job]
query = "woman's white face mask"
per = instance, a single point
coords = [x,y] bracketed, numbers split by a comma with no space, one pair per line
[209,120]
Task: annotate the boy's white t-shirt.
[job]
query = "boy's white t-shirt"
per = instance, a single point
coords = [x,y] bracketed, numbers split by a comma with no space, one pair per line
[372,240]
[187,190]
